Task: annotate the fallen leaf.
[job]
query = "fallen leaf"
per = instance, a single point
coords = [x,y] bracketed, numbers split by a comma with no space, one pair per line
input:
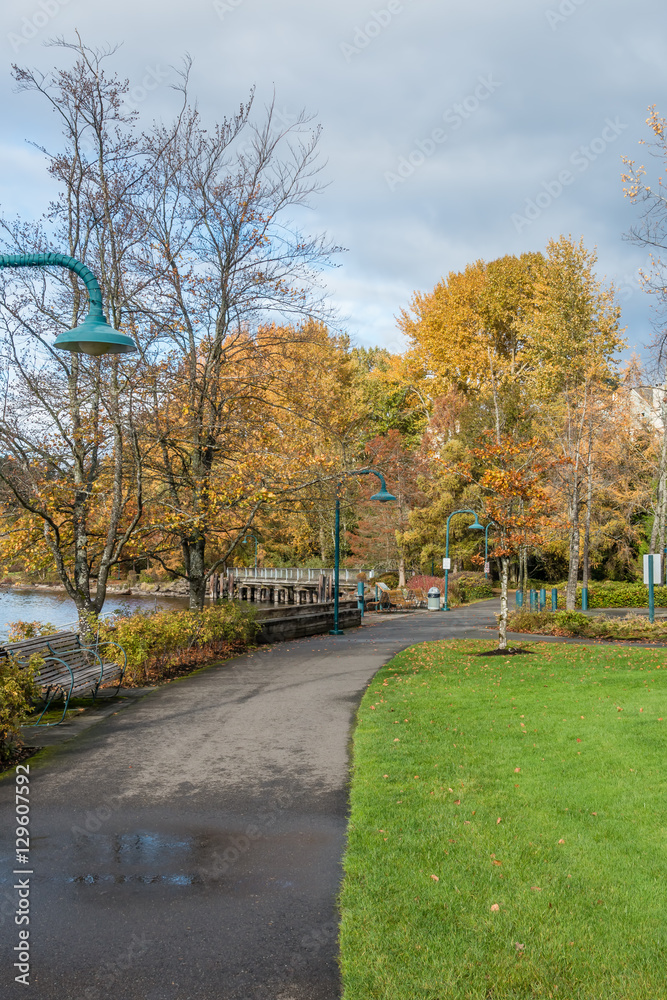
[435,878]
[496,862]
[457,802]
[536,888]
[385,775]
[494,908]
[516,770]
[561,841]
[499,820]
[519,947]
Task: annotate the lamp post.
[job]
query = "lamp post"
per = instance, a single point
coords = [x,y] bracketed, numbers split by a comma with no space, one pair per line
[382,496]
[475,526]
[252,535]
[94,336]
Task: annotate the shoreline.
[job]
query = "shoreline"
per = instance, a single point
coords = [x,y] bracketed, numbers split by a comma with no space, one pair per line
[142,590]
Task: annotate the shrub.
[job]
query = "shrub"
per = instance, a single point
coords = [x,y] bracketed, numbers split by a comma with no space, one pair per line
[29,630]
[17,689]
[573,623]
[612,594]
[474,588]
[162,643]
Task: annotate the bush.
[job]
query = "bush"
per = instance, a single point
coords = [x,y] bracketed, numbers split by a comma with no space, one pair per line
[474,588]
[29,630]
[574,623]
[17,689]
[391,579]
[163,643]
[618,595]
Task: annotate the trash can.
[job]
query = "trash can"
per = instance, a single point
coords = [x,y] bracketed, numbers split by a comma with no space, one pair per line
[433,599]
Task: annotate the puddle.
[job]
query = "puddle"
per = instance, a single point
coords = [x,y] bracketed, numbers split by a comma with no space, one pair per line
[137,879]
[222,860]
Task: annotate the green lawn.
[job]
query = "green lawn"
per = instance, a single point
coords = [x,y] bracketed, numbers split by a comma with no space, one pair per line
[507,834]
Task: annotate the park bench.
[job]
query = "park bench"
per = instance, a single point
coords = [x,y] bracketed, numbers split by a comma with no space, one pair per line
[69,668]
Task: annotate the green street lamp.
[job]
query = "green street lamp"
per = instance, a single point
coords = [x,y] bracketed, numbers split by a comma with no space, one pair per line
[382,496]
[94,336]
[476,526]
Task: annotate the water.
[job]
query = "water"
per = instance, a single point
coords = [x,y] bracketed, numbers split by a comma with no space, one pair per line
[59,610]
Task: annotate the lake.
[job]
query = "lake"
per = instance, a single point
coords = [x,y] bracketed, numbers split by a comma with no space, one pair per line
[59,610]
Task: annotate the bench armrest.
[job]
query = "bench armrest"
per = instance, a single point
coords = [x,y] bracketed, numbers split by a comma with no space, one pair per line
[57,659]
[108,642]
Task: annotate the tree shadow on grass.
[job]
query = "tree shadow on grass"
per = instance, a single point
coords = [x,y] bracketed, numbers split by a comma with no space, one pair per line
[510,651]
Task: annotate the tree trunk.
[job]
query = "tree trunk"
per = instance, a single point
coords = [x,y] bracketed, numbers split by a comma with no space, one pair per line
[524,572]
[196,572]
[573,569]
[401,570]
[502,620]
[589,505]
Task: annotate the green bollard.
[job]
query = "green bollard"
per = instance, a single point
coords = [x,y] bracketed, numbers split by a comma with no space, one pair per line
[543,599]
[554,598]
[584,598]
[518,597]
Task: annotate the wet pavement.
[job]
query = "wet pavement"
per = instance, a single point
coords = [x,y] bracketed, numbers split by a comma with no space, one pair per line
[188,847]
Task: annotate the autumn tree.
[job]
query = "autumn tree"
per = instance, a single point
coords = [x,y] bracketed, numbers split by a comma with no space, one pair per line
[227,260]
[468,334]
[573,337]
[506,482]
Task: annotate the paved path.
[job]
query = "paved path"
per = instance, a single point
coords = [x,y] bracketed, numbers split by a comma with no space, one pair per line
[188,847]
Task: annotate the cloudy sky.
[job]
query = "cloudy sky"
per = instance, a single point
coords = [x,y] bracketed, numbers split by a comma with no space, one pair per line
[451,131]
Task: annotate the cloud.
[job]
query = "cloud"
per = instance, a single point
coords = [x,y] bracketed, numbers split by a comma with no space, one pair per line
[559,82]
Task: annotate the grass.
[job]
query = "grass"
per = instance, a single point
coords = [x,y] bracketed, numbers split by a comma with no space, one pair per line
[507,829]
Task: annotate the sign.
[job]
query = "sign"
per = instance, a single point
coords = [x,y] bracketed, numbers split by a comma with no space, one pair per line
[657,568]
[446,563]
[487,567]
[371,574]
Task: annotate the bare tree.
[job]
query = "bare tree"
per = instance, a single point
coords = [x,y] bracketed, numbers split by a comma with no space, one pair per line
[72,475]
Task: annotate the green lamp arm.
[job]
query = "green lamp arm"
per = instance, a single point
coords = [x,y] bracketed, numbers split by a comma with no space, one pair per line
[60,260]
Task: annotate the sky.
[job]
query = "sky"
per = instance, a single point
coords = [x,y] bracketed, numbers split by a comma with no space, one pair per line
[450,132]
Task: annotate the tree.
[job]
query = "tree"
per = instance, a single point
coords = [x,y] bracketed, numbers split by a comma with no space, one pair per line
[573,336]
[188,230]
[71,475]
[651,230]
[226,258]
[468,333]
[506,483]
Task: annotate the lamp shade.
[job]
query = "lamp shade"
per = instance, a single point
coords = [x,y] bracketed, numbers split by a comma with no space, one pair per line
[476,526]
[94,337]
[383,496]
